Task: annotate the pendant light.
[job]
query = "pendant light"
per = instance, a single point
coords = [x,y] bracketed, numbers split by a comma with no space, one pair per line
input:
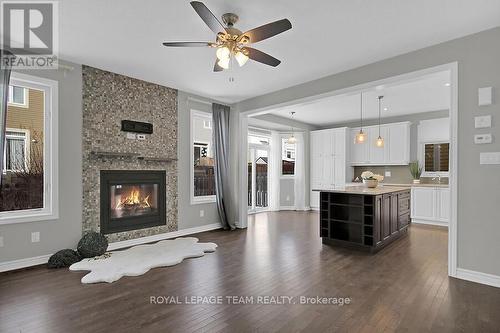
[380,140]
[292,139]
[361,136]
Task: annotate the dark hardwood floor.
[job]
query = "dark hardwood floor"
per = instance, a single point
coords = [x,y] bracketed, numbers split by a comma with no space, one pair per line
[403,288]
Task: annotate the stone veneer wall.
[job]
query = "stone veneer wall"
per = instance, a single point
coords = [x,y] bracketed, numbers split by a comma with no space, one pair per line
[109,98]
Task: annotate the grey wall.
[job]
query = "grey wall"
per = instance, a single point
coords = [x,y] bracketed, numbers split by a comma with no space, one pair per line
[189,215]
[65,231]
[478,63]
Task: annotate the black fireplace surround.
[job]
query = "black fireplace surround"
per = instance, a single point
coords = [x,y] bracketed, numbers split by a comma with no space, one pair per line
[132,200]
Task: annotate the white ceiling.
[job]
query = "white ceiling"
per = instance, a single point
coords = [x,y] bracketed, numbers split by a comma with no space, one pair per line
[425,94]
[125,36]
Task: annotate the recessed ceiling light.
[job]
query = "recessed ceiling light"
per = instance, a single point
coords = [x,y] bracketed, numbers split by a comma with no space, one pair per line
[447,84]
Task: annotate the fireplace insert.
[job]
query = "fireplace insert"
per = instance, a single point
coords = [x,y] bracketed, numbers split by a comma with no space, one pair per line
[132,200]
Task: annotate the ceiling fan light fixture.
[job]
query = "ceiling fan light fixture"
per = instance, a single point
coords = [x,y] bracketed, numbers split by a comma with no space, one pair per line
[224,63]
[223,53]
[241,58]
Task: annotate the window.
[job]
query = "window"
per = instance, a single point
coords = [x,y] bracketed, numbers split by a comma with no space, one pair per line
[437,157]
[18,96]
[29,176]
[15,156]
[287,158]
[202,172]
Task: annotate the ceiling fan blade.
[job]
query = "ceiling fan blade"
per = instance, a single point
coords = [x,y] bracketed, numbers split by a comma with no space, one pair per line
[262,57]
[217,68]
[187,44]
[207,16]
[267,30]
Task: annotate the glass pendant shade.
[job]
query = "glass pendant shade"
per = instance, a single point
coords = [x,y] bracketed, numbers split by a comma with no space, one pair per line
[292,139]
[241,58]
[224,63]
[360,137]
[223,53]
[380,142]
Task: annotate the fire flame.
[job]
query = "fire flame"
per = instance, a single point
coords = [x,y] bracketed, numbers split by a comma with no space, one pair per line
[134,198]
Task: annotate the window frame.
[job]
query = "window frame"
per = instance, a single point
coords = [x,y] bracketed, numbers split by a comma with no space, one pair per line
[284,139]
[10,99]
[50,211]
[196,200]
[422,160]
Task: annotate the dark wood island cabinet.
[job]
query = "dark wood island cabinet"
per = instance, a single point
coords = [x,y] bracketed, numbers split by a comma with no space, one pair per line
[363,218]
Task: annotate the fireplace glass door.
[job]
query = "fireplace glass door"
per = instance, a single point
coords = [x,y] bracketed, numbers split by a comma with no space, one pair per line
[133,200]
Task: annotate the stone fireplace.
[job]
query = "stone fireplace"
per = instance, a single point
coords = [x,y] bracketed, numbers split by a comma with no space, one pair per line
[132,200]
[129,184]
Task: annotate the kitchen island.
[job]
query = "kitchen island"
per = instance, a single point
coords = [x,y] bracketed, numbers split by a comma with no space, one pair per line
[364,218]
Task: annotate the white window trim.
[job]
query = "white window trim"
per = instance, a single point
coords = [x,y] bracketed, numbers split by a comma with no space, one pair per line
[10,101]
[27,143]
[199,199]
[51,157]
[428,174]
[282,176]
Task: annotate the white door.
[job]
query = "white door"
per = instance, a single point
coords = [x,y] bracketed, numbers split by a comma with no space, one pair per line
[316,168]
[444,204]
[423,203]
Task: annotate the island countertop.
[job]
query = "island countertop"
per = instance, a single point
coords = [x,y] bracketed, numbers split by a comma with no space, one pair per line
[364,190]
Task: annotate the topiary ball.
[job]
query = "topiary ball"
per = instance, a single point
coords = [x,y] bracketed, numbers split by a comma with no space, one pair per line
[92,244]
[63,258]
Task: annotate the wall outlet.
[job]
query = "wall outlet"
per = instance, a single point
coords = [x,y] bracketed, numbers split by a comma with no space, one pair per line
[131,136]
[35,236]
[388,174]
[202,213]
[141,137]
[1,241]
[489,158]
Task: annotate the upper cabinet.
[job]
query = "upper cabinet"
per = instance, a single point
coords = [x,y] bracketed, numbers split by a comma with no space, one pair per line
[396,149]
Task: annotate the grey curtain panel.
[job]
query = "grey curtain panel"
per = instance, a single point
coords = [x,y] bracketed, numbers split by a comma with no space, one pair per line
[220,114]
[4,92]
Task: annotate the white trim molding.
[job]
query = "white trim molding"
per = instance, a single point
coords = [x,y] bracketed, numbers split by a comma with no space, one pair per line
[40,260]
[23,263]
[429,222]
[159,237]
[478,277]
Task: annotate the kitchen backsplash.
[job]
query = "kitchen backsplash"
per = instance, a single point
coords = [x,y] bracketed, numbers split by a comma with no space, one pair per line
[400,174]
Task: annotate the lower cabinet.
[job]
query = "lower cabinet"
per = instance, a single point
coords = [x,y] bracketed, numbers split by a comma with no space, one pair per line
[363,221]
[430,205]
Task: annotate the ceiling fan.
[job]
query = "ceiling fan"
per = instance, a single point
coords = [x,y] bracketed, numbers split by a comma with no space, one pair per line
[231,42]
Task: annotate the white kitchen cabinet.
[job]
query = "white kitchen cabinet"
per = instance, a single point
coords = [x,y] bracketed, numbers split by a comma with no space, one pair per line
[396,150]
[329,167]
[430,205]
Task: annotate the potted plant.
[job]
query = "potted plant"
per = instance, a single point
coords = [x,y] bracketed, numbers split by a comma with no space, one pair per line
[416,171]
[370,179]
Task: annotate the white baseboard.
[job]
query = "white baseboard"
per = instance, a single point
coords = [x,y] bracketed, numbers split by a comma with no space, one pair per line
[441,224]
[293,208]
[23,263]
[478,277]
[40,260]
[316,209]
[166,235]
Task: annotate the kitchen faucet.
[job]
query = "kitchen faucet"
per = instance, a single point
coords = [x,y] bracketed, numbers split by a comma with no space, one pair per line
[438,177]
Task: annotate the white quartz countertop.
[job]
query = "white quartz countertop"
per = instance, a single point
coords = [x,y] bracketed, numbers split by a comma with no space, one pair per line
[360,189]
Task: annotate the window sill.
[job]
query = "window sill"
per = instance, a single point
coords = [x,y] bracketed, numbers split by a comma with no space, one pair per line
[203,200]
[27,216]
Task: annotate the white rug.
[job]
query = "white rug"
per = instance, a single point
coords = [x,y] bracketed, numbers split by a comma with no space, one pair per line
[139,259]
